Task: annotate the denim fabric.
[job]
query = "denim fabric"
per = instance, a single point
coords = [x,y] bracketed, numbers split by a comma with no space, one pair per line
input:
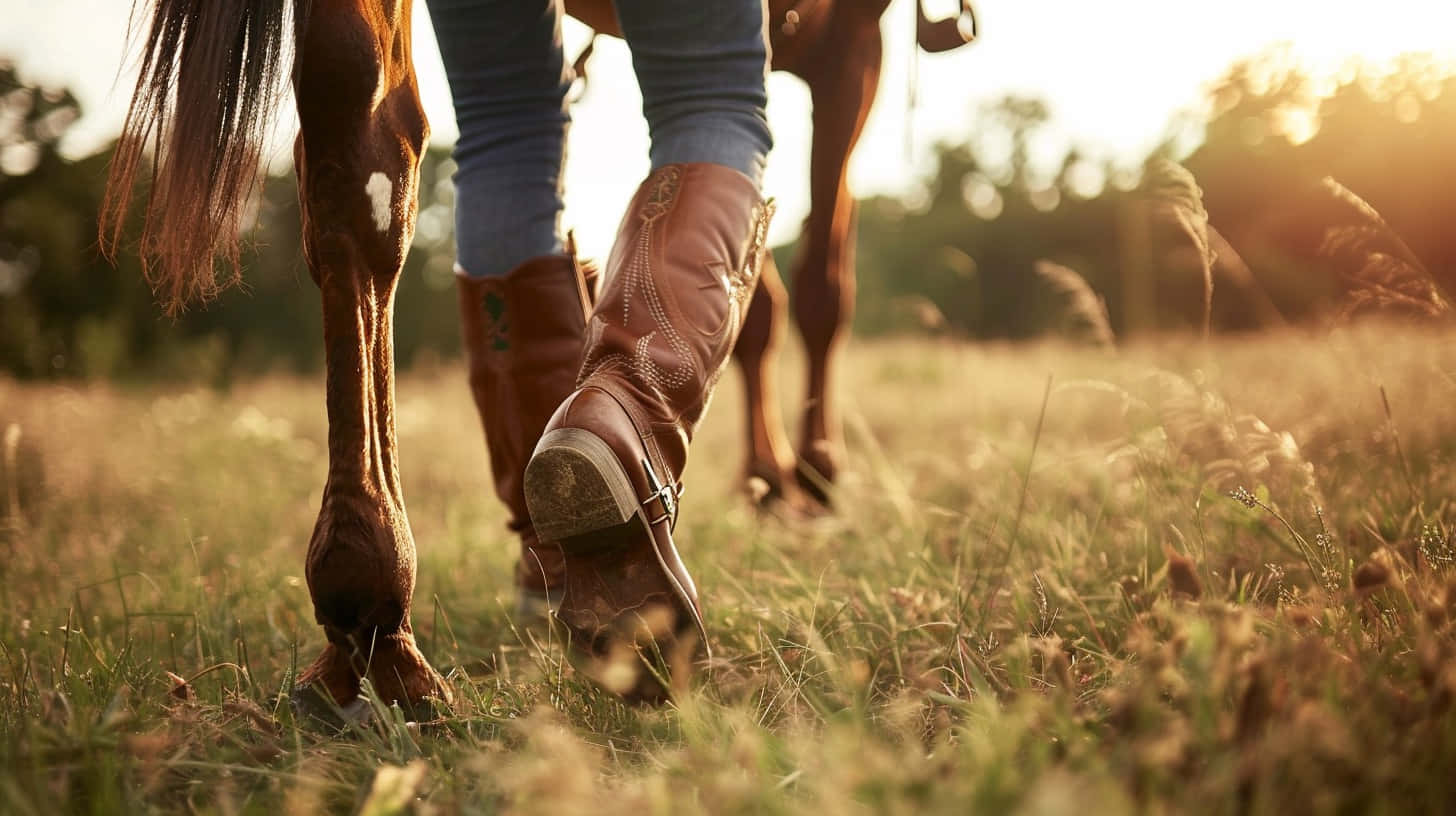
[700,65]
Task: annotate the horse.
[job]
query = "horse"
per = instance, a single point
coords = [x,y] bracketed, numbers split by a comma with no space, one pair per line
[211,76]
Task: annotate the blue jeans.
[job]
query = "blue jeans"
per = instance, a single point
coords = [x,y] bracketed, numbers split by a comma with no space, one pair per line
[700,65]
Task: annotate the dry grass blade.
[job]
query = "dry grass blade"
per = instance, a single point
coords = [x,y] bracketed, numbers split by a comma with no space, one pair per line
[1078,313]
[1175,198]
[11,472]
[921,312]
[1229,447]
[1367,216]
[1234,271]
[1380,271]
[394,788]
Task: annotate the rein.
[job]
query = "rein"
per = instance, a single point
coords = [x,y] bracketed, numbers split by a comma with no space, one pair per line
[934,36]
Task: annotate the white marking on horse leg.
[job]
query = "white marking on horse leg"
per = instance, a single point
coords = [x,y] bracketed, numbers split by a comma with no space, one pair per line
[381,199]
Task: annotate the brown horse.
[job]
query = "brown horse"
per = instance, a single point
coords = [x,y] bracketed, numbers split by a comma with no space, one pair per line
[211,75]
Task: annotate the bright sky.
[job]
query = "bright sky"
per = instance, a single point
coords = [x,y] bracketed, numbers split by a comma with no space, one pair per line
[1113,72]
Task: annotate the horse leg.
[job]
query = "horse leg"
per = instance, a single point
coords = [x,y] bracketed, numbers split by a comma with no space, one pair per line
[769,472]
[357,158]
[823,301]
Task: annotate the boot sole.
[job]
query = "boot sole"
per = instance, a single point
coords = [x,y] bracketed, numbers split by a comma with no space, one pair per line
[575,486]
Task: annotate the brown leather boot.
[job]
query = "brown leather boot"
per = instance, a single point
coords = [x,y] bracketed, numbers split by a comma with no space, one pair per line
[523,338]
[605,478]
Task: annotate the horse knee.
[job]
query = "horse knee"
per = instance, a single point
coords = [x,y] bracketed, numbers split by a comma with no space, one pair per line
[363,132]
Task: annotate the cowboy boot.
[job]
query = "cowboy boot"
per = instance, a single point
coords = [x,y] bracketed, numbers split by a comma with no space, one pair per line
[523,336]
[605,478]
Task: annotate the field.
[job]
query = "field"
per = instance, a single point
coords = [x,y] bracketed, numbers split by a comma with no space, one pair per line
[1177,578]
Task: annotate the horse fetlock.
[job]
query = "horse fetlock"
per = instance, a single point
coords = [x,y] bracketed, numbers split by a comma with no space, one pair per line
[361,574]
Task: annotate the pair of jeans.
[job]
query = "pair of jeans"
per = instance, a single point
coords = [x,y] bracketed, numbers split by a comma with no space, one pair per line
[701,66]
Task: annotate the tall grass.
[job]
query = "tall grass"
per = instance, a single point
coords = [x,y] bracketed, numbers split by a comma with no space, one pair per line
[1114,595]
[1079,313]
[1176,199]
[1381,273]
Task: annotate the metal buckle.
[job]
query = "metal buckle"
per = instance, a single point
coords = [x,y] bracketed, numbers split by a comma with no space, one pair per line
[666,494]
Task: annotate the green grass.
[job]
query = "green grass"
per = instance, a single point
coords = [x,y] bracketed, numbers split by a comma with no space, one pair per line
[1030,600]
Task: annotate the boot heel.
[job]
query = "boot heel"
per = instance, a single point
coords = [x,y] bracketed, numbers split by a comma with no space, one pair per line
[575,485]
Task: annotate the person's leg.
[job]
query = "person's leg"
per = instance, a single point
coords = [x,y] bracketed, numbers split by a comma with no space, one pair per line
[714,112]
[606,476]
[701,67]
[508,79]
[523,303]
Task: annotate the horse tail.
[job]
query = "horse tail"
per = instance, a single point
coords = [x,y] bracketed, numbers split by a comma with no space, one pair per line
[211,77]
[938,36]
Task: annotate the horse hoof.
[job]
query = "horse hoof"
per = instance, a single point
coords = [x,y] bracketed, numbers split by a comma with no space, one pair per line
[813,484]
[766,484]
[780,494]
[330,689]
[314,706]
[816,471]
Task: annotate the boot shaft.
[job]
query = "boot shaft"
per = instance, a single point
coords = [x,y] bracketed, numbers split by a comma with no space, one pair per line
[523,338]
[606,477]
[677,286]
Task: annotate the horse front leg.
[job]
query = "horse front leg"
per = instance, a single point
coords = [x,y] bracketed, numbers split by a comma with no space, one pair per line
[842,91]
[357,159]
[769,473]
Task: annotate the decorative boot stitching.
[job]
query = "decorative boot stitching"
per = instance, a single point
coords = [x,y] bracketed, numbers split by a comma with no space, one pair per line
[637,275]
[664,191]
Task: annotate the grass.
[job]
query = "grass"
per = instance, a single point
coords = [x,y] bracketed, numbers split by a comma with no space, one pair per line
[1034,598]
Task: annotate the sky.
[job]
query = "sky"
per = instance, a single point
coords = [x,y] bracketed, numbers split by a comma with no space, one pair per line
[1112,72]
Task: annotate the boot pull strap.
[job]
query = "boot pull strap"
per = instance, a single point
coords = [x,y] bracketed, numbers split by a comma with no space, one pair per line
[587,275]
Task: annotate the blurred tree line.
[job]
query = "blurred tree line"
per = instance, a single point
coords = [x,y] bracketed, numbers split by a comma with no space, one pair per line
[964,256]
[989,247]
[67,312]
